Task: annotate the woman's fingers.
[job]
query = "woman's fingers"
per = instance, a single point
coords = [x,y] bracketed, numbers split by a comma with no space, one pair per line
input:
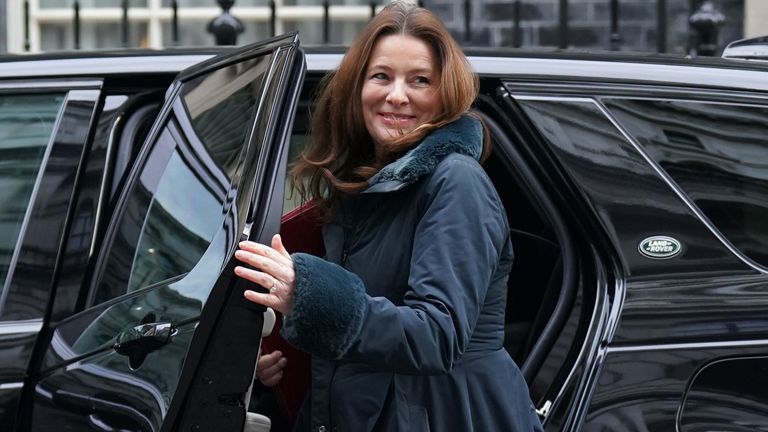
[273,300]
[273,271]
[277,244]
[270,367]
[266,265]
[277,366]
[268,252]
[258,277]
[268,360]
[272,380]
[266,299]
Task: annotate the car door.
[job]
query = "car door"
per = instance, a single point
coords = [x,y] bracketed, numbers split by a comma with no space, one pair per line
[164,320]
[44,126]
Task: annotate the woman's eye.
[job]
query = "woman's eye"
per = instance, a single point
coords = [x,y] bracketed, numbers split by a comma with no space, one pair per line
[379,76]
[421,80]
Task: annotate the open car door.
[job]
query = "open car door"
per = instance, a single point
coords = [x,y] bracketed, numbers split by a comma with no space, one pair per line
[164,339]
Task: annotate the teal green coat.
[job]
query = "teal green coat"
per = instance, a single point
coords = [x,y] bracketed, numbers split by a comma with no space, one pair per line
[405,317]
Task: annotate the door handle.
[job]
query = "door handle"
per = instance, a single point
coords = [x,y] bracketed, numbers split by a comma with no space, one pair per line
[137,342]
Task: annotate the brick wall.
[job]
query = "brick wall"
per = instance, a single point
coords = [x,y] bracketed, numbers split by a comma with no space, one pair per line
[589,24]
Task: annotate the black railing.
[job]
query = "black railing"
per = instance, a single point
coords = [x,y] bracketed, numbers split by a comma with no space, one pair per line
[76,25]
[563,27]
[705,22]
[124,24]
[467,21]
[272,19]
[615,38]
[326,22]
[175,23]
[517,32]
[661,26]
[26,26]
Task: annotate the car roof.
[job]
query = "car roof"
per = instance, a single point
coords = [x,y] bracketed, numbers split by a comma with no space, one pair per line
[512,63]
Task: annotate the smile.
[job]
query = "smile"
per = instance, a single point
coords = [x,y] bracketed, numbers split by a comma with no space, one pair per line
[395,119]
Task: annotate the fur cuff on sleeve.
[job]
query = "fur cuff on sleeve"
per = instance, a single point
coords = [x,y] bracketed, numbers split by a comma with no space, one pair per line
[328,308]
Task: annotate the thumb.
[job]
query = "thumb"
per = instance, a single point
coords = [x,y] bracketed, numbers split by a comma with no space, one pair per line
[277,244]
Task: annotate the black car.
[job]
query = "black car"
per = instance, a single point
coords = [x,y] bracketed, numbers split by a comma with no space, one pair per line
[636,188]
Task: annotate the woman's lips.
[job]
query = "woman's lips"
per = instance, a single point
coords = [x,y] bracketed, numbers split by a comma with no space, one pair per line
[396,120]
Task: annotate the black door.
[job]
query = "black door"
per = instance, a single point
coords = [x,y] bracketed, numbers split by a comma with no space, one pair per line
[162,296]
[43,129]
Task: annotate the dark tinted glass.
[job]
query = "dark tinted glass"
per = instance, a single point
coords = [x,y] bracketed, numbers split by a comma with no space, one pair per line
[178,225]
[26,123]
[221,106]
[299,141]
[717,154]
[186,186]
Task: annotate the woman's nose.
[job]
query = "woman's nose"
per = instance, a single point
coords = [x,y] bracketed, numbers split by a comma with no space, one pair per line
[397,93]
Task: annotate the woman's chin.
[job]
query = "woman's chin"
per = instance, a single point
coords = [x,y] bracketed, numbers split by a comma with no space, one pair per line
[392,134]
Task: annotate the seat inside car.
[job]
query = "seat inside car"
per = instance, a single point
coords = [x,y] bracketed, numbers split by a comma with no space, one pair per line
[535,279]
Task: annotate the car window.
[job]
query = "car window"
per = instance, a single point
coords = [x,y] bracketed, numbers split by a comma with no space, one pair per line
[26,124]
[299,140]
[184,189]
[716,154]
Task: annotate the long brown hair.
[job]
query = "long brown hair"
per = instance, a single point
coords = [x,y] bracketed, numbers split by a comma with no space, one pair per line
[340,154]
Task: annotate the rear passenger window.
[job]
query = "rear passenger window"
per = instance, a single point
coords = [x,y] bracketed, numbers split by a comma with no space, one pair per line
[26,124]
[717,154]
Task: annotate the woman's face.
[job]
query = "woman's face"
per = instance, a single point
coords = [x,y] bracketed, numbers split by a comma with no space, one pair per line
[399,89]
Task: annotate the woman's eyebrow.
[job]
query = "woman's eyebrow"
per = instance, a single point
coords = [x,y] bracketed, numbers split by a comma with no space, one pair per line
[416,70]
[379,66]
[424,70]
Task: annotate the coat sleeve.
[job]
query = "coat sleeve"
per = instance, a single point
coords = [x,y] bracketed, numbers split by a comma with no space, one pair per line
[456,250]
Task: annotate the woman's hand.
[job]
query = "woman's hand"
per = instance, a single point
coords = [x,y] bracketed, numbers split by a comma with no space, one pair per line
[269,368]
[275,273]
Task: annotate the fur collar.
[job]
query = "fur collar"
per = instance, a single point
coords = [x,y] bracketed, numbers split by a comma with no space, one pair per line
[463,136]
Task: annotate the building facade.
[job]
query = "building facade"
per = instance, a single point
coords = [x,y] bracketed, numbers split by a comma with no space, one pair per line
[3,32]
[589,23]
[755,18]
[50,24]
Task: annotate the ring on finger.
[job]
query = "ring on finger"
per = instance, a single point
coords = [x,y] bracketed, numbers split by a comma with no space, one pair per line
[273,288]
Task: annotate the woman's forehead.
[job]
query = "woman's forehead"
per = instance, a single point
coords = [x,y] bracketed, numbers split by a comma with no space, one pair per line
[402,50]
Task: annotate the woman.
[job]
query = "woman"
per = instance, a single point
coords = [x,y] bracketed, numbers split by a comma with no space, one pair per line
[405,319]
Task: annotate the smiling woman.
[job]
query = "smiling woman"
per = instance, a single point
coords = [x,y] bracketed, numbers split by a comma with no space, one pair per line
[400,90]
[404,317]
[426,76]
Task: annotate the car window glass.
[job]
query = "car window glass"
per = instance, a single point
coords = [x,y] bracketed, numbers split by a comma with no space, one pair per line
[184,190]
[299,141]
[716,154]
[177,228]
[26,124]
